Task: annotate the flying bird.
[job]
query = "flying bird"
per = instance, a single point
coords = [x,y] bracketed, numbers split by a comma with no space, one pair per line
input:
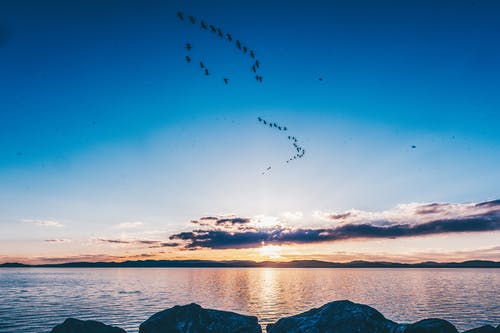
[203,25]
[188,58]
[254,69]
[180,15]
[245,49]
[413,146]
[260,119]
[252,54]
[192,19]
[221,35]
[226,80]
[229,37]
[238,44]
[213,29]
[257,63]
[202,65]
[188,47]
[206,72]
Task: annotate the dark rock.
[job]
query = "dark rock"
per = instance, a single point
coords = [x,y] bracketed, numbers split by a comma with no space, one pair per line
[431,325]
[337,317]
[72,325]
[484,329]
[193,318]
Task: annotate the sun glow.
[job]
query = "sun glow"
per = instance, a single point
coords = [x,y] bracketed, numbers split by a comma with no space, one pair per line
[270,251]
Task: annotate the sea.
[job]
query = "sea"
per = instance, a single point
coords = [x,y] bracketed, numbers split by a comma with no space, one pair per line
[33,300]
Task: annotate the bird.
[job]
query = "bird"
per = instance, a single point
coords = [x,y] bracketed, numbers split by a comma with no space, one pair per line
[221,35]
[260,78]
[289,137]
[413,146]
[229,37]
[274,124]
[268,168]
[206,72]
[188,58]
[226,80]
[238,44]
[203,25]
[279,127]
[257,63]
[192,19]
[254,69]
[180,15]
[284,128]
[321,79]
[245,49]
[202,65]
[213,29]
[265,123]
[260,119]
[252,54]
[188,47]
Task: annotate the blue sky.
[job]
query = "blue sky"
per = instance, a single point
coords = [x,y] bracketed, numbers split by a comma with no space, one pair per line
[103,122]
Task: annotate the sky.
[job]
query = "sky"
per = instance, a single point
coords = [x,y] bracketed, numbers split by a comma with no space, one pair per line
[114,147]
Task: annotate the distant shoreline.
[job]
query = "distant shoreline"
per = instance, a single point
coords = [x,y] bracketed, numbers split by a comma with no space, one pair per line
[253,264]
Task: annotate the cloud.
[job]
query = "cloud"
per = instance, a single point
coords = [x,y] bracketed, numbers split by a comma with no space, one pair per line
[152,243]
[57,240]
[45,223]
[129,225]
[403,221]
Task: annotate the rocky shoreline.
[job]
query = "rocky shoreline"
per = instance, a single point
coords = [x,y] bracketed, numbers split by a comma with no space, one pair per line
[334,317]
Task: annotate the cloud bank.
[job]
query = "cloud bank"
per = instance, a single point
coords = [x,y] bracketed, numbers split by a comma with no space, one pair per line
[409,220]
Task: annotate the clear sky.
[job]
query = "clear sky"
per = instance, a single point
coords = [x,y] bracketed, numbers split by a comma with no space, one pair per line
[111,143]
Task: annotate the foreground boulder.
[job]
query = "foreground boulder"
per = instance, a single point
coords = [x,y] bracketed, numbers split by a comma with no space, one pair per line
[193,318]
[72,325]
[431,326]
[337,317]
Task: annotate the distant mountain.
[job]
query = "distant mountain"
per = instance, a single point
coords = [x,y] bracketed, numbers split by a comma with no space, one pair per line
[289,264]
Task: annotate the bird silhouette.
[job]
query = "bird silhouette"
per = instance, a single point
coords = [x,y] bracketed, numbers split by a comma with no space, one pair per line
[265,123]
[284,128]
[180,15]
[203,25]
[260,119]
[188,58]
[245,49]
[213,29]
[229,37]
[192,19]
[257,63]
[252,54]
[206,72]
[268,168]
[254,69]
[219,32]
[188,47]
[202,65]
[226,80]
[321,79]
[413,146]
[238,44]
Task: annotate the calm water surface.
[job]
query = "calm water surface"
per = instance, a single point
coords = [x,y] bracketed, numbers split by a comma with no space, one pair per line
[36,299]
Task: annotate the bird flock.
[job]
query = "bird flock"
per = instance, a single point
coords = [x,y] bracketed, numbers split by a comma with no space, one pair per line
[298,149]
[203,25]
[255,69]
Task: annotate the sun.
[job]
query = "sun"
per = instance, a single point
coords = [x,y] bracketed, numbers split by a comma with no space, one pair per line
[270,251]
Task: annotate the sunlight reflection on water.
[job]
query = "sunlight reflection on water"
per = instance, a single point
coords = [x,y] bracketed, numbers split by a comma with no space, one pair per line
[36,299]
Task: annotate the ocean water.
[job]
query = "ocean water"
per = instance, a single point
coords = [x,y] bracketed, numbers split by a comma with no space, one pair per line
[36,299]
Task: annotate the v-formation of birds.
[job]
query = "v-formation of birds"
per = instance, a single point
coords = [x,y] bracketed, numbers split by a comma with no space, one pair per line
[255,68]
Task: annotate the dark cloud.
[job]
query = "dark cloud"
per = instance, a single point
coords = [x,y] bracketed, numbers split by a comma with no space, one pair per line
[339,216]
[217,238]
[222,221]
[433,208]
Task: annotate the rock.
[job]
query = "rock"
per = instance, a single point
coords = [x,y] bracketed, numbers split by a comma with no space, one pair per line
[431,325]
[484,329]
[72,325]
[337,317]
[193,318]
